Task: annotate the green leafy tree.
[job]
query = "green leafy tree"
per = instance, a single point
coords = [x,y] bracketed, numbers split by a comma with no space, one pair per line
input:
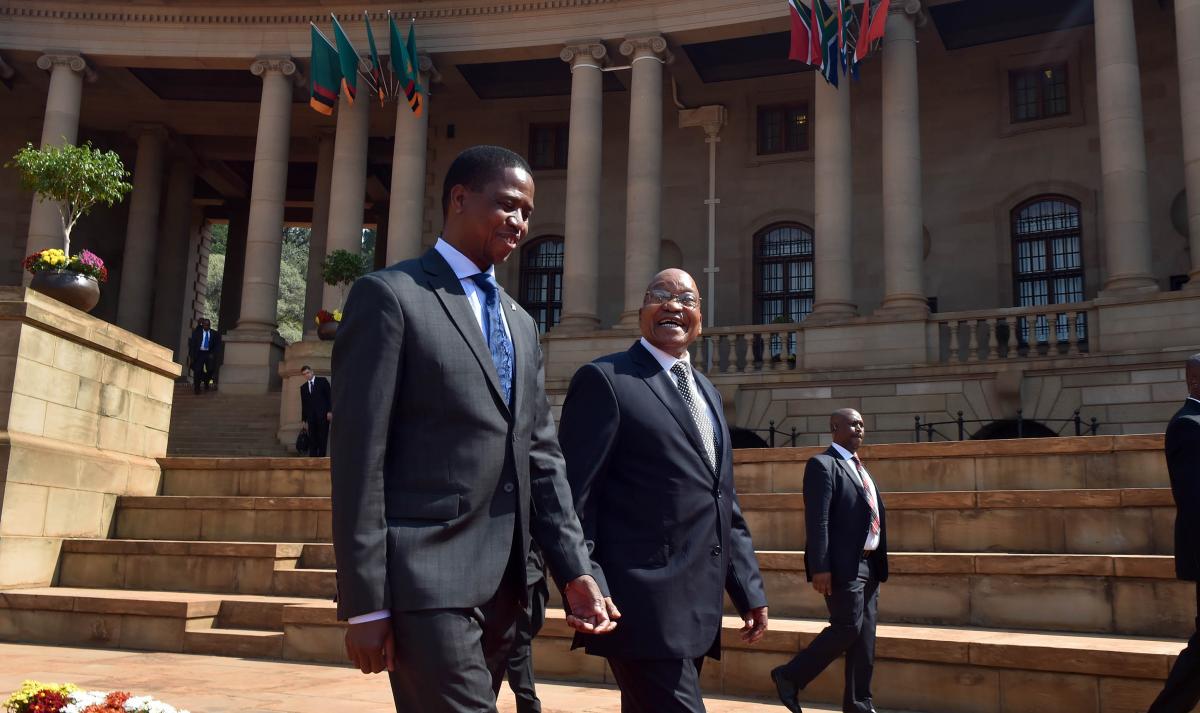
[77,178]
[341,268]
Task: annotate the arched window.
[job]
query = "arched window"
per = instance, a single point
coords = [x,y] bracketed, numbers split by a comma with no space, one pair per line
[541,280]
[1047,260]
[783,272]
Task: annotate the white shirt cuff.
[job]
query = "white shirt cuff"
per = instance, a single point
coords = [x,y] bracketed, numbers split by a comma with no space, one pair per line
[373,616]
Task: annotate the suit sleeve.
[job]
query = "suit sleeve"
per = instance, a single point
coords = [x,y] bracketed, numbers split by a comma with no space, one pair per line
[366,358]
[743,581]
[1183,464]
[303,404]
[553,523]
[588,432]
[818,495]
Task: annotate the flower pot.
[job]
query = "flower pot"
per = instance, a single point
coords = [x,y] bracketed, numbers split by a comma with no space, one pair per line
[327,330]
[71,288]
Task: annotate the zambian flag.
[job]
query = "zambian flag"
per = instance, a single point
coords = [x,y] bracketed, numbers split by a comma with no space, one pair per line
[377,81]
[404,62]
[348,59]
[325,75]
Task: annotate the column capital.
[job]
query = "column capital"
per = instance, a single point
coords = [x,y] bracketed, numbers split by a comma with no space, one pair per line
[149,130]
[426,66]
[589,53]
[273,65]
[70,60]
[910,8]
[646,47]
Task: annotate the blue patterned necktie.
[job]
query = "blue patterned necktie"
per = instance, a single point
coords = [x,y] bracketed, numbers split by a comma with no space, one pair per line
[493,327]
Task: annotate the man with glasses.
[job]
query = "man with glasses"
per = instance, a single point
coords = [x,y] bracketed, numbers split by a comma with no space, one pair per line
[651,470]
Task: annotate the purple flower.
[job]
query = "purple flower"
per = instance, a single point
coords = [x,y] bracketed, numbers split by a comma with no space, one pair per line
[91,259]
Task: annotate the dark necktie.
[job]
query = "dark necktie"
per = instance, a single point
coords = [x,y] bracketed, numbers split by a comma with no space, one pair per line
[866,484]
[701,419]
[493,327]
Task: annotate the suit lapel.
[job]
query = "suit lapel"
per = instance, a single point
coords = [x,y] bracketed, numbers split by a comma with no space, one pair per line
[449,291]
[848,471]
[663,386]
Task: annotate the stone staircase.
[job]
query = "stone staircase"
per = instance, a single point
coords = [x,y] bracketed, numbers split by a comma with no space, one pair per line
[215,423]
[1026,576]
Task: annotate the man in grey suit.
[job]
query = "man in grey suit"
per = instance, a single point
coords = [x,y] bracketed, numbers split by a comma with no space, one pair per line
[445,457]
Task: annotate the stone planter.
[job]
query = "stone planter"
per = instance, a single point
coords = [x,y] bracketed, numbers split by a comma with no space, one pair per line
[327,330]
[71,288]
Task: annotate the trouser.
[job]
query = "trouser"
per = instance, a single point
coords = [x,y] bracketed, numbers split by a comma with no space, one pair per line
[659,685]
[318,436]
[201,370]
[853,610]
[1182,690]
[520,662]
[453,660]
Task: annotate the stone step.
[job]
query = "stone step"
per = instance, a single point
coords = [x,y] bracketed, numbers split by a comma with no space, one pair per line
[239,519]
[234,642]
[262,477]
[224,424]
[1067,463]
[1100,521]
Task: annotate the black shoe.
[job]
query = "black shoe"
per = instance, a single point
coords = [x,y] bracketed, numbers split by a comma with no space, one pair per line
[786,689]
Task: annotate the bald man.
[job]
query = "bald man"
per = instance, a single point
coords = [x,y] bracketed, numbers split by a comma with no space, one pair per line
[1182,690]
[651,471]
[845,558]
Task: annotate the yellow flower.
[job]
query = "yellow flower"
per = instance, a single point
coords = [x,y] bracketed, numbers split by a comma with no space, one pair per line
[337,315]
[54,257]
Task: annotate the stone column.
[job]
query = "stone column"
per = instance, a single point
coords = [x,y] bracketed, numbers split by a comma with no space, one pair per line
[903,220]
[1122,150]
[314,285]
[349,189]
[171,275]
[135,299]
[581,253]
[833,267]
[253,348]
[60,126]
[1187,36]
[643,202]
[406,202]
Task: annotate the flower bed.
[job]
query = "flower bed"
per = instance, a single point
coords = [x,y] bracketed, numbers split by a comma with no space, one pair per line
[36,697]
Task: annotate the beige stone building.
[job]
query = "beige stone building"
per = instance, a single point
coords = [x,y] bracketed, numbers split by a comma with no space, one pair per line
[1001,216]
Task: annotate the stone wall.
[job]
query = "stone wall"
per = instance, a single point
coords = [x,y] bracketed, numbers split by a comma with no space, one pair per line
[84,412]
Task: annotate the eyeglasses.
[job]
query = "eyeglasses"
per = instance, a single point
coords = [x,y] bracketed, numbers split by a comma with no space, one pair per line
[687,300]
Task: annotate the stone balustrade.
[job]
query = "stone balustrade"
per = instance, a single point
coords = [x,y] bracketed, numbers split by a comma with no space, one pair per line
[1014,333]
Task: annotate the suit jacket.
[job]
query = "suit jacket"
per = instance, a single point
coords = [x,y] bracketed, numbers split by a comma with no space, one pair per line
[666,532]
[314,406]
[1183,464]
[214,343]
[432,472]
[836,518]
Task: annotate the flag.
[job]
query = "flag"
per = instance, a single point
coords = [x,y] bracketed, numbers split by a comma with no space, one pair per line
[879,22]
[863,46]
[376,77]
[325,76]
[802,44]
[416,70]
[851,34]
[405,67]
[348,59]
[828,36]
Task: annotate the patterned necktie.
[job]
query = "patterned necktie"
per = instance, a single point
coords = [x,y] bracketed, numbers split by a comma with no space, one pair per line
[493,328]
[703,423]
[866,484]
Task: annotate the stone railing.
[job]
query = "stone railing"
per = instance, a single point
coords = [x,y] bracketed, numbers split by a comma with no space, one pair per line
[749,348]
[1013,333]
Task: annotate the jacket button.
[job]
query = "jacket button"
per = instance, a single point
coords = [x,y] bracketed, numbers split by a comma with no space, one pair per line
[508,487]
[716,551]
[718,495]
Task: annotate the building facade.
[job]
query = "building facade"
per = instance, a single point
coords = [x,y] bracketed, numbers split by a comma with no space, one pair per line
[1001,214]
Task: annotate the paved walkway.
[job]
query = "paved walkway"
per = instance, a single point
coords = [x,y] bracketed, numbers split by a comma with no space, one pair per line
[216,684]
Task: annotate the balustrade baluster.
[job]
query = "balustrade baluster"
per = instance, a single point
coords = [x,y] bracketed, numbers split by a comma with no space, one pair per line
[954,350]
[1072,335]
[993,327]
[1052,328]
[973,340]
[1012,341]
[741,345]
[723,352]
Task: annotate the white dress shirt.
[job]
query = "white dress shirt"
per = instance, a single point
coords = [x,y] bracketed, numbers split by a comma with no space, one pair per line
[463,269]
[872,541]
[666,361]
[1193,398]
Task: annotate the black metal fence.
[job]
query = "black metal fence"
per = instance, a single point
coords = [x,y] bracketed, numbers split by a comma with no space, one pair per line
[1024,428]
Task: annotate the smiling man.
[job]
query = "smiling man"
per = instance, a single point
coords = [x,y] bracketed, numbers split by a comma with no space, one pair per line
[651,471]
[445,459]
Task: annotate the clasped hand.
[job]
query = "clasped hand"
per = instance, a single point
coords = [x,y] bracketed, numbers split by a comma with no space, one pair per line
[589,611]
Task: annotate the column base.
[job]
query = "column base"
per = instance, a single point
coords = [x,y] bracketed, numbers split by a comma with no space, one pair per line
[1129,284]
[251,364]
[831,312]
[629,319]
[908,305]
[572,324]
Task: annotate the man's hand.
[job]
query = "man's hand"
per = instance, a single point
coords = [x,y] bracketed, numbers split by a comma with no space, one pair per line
[370,647]
[823,583]
[755,627]
[329,416]
[590,612]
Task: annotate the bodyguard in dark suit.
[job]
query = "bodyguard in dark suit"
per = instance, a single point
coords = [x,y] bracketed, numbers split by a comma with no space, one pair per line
[203,346]
[316,410]
[651,469]
[1182,690]
[845,558]
[445,457]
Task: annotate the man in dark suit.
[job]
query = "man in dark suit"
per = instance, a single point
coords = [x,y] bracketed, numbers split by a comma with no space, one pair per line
[1182,690]
[203,346]
[529,623]
[845,559]
[316,410]
[445,457]
[651,469]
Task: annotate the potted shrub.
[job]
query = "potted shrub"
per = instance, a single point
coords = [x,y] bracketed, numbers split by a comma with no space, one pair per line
[76,178]
[340,269]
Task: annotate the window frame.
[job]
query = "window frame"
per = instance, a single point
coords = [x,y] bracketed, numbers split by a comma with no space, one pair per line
[1061,69]
[759,260]
[561,145]
[760,110]
[526,272]
[1049,274]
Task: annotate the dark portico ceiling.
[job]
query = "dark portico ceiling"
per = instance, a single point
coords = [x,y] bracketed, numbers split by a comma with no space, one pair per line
[976,22]
[525,78]
[210,85]
[743,57]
